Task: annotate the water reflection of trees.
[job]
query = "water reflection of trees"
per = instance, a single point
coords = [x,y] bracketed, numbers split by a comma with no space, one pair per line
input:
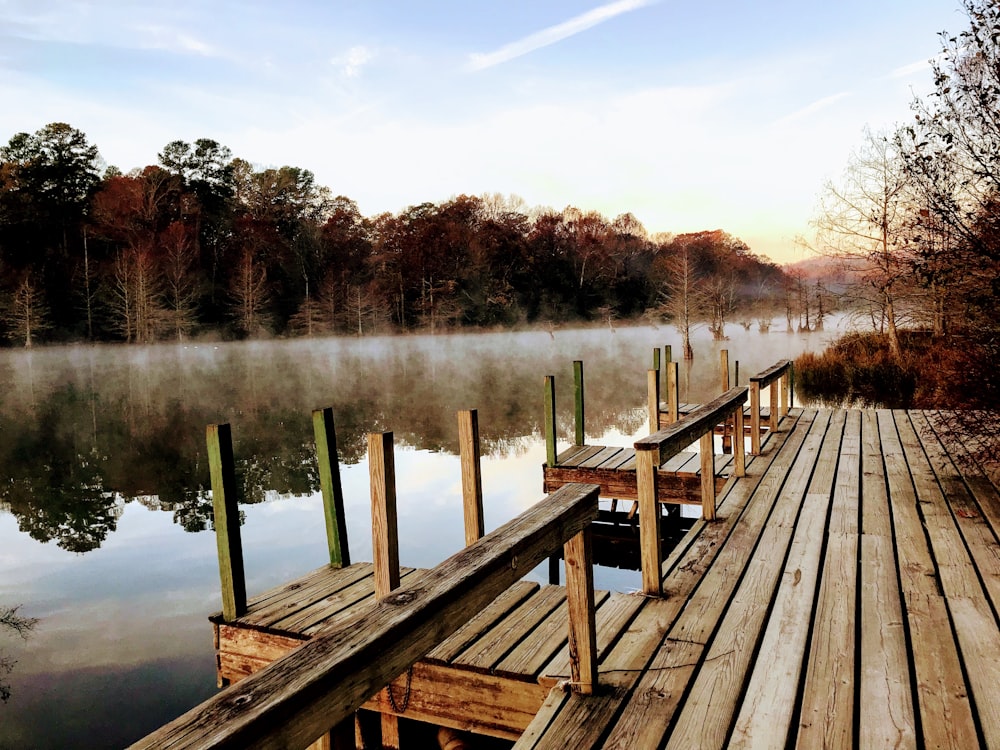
[87,431]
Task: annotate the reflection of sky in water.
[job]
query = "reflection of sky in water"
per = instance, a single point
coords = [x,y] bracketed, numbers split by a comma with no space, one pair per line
[124,643]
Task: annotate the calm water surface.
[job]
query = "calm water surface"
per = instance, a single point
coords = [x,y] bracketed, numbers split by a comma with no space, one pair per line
[104,513]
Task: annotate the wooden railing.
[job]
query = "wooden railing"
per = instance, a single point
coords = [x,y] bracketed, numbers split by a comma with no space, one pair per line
[778,374]
[653,451]
[300,697]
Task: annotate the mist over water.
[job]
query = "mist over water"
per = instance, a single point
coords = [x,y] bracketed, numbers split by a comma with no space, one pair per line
[104,508]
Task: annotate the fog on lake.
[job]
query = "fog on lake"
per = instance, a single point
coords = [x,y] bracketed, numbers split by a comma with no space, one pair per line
[105,509]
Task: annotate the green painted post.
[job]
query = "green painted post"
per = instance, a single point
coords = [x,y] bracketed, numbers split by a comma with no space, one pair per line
[578,394]
[550,420]
[656,358]
[222,468]
[667,352]
[329,481]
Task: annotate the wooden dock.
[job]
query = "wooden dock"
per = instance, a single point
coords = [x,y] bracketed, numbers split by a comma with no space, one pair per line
[845,595]
[679,477]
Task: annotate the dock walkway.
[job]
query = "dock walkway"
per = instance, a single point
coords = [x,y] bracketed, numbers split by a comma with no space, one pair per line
[846,595]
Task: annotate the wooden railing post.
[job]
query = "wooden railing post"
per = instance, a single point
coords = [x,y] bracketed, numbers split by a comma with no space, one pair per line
[578,399]
[550,420]
[653,399]
[647,462]
[754,417]
[472,475]
[325,433]
[727,444]
[707,449]
[786,390]
[385,541]
[656,358]
[772,423]
[579,555]
[225,506]
[739,446]
[673,393]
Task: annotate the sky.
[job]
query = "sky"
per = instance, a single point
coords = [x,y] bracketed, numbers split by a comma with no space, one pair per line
[692,116]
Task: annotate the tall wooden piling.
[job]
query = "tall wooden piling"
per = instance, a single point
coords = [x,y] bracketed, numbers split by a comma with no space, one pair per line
[578,402]
[472,475]
[225,505]
[579,555]
[673,392]
[329,481]
[727,438]
[653,399]
[385,541]
[646,465]
[550,420]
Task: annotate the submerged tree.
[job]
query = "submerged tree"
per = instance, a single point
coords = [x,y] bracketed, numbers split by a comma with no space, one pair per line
[682,300]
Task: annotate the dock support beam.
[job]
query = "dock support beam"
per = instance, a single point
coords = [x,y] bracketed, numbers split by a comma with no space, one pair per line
[225,506]
[472,475]
[329,481]
[550,420]
[579,555]
[727,438]
[647,463]
[673,393]
[653,399]
[578,400]
[385,542]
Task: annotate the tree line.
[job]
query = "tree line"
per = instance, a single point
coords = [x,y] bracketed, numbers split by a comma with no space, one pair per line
[203,242]
[915,219]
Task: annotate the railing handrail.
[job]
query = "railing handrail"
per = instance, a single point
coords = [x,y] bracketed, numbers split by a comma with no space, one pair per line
[673,439]
[772,373]
[299,697]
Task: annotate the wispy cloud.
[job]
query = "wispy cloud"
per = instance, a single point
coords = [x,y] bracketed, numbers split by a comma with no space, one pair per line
[353,60]
[907,70]
[173,40]
[553,34]
[810,109]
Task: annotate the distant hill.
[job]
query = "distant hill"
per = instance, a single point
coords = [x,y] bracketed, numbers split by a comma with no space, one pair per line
[833,273]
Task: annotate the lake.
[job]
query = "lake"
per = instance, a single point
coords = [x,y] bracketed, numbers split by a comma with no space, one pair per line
[105,514]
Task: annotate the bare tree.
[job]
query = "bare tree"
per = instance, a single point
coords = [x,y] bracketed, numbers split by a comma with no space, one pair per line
[180,285]
[137,295]
[249,294]
[864,221]
[27,313]
[682,300]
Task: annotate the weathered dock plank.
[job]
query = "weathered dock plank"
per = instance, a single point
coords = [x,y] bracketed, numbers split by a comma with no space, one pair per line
[945,711]
[827,712]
